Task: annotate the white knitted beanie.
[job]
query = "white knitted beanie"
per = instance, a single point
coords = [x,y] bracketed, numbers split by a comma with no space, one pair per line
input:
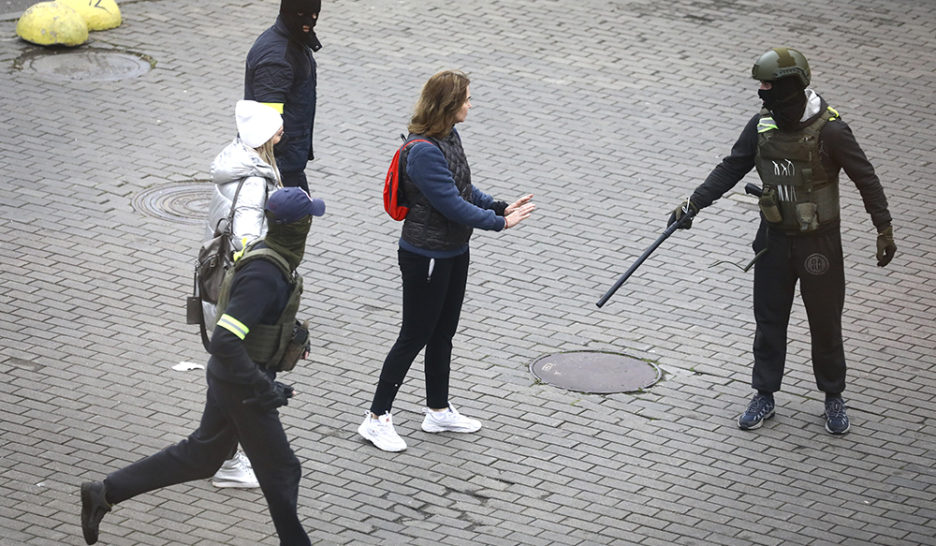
[256,123]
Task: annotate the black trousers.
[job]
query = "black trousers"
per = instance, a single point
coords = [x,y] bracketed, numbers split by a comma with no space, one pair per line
[815,261]
[431,309]
[224,421]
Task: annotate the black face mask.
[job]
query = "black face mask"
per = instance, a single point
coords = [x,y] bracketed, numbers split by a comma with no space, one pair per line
[786,101]
[289,239]
[290,11]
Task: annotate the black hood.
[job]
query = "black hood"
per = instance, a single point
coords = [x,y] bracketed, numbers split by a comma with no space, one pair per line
[290,11]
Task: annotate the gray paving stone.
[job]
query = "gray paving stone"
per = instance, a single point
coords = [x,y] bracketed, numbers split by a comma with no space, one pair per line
[608,112]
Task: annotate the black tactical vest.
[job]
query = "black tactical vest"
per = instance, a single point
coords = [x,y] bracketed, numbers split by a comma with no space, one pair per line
[803,195]
[425,227]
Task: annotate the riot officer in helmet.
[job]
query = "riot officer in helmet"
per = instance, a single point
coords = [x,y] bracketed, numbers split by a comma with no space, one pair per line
[799,145]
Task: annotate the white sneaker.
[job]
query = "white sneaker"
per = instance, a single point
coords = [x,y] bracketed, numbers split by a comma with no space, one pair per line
[381,433]
[448,421]
[236,472]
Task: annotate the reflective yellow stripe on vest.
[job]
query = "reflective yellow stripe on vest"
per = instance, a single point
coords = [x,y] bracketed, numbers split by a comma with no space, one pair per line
[234,326]
[766,124]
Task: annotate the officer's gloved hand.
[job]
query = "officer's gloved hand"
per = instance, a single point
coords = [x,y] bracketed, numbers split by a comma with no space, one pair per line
[270,395]
[885,245]
[678,213]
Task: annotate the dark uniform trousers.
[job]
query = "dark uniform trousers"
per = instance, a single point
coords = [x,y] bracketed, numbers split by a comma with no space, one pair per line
[815,260]
[225,421]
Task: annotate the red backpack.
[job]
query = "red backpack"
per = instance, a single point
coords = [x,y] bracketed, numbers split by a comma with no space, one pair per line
[393,197]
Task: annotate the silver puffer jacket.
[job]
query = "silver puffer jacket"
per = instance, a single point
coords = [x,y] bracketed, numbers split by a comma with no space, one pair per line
[238,162]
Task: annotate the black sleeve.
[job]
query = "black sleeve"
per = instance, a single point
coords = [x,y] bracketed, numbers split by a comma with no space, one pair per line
[732,168]
[843,151]
[229,359]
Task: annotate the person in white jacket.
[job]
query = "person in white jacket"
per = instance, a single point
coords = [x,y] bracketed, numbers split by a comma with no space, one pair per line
[247,161]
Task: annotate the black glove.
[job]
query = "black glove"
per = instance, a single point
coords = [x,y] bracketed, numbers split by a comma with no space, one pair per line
[499,207]
[270,396]
[885,245]
[678,213]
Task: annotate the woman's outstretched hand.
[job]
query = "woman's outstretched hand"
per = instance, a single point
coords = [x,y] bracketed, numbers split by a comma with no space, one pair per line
[518,203]
[518,211]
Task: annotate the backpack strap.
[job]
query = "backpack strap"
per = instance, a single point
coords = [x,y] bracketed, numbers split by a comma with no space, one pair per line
[403,153]
[240,185]
[414,141]
[250,254]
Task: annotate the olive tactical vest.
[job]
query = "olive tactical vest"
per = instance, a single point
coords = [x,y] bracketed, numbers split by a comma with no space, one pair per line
[266,343]
[795,183]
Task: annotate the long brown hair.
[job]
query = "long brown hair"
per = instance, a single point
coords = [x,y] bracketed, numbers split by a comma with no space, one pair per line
[442,97]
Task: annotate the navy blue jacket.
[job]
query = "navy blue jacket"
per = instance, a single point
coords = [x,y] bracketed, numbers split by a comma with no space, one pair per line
[282,70]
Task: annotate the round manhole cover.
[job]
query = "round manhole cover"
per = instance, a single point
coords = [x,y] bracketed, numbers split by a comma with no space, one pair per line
[86,64]
[595,372]
[181,202]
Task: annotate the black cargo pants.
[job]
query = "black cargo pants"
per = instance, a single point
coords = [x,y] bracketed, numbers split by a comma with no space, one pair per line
[815,260]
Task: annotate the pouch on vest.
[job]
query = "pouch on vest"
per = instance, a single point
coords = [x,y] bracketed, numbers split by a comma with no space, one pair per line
[770,205]
[297,348]
[807,217]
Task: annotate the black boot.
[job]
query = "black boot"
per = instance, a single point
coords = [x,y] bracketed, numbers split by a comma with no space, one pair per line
[93,507]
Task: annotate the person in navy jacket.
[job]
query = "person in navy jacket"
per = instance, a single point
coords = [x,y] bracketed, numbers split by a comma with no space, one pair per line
[281,73]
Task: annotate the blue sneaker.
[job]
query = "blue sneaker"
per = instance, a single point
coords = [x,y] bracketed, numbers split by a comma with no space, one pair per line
[760,408]
[836,420]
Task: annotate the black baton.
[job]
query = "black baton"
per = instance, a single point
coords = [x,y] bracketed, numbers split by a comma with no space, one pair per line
[689,213]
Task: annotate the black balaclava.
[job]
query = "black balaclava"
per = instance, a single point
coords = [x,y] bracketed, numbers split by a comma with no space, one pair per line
[289,12]
[288,240]
[786,101]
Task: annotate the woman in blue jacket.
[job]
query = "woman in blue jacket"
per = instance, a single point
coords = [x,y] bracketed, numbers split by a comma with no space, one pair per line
[444,208]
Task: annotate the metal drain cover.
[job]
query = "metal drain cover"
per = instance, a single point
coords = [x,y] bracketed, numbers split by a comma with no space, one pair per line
[595,372]
[180,202]
[86,64]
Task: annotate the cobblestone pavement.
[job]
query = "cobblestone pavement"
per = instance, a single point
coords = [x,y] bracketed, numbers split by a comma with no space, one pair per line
[610,112]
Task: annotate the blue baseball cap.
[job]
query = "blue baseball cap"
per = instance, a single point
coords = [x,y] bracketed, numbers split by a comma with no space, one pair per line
[288,205]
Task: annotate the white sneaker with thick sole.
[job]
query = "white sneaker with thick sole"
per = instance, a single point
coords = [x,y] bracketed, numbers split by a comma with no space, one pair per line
[236,472]
[381,433]
[448,421]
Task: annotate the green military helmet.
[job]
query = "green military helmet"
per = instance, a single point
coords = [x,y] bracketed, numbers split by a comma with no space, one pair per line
[781,62]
